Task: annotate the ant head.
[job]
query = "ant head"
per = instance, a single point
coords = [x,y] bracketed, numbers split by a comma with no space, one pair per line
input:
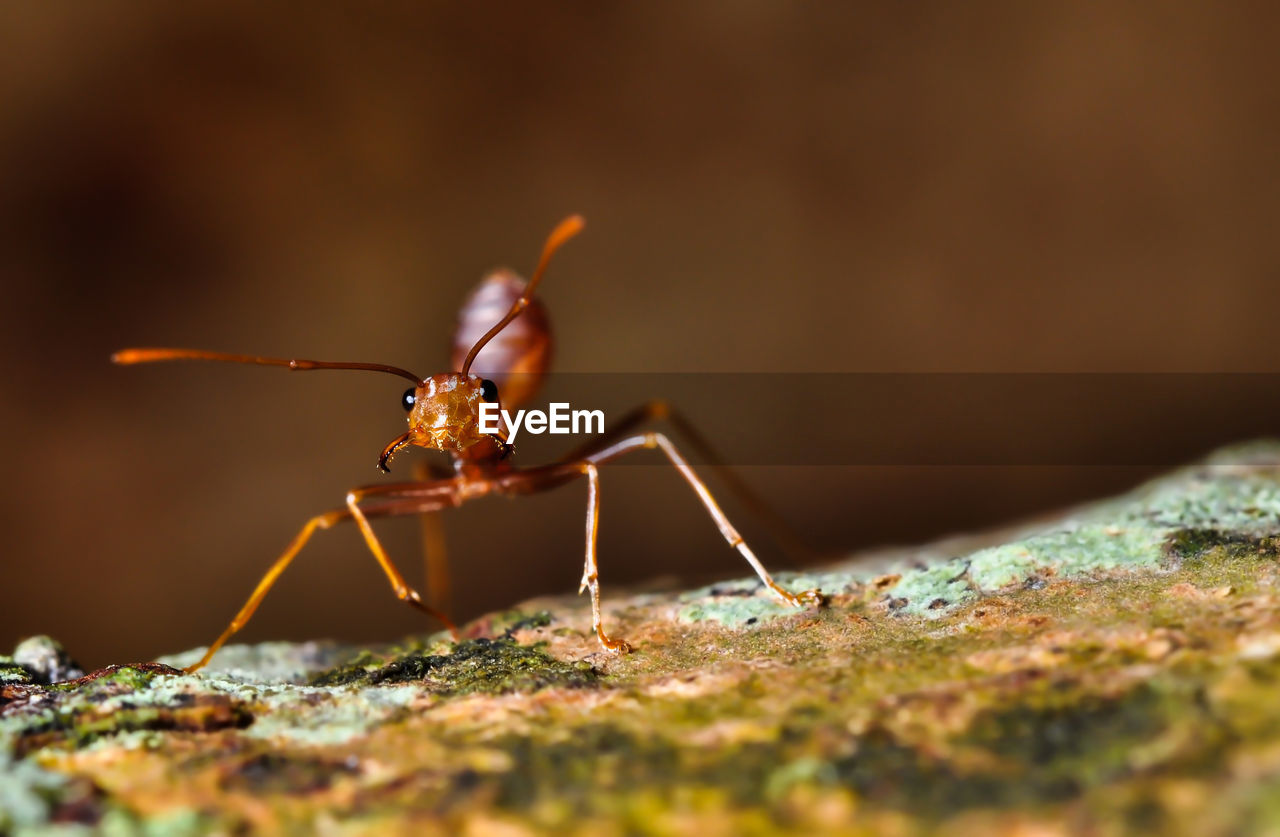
[444,415]
[444,410]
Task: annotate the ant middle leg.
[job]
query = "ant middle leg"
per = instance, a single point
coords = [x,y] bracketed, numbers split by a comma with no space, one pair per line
[435,550]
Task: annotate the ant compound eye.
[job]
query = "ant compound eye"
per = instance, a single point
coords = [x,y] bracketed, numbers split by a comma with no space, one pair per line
[489,390]
[407,400]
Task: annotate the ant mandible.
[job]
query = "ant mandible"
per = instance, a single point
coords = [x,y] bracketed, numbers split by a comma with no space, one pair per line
[444,415]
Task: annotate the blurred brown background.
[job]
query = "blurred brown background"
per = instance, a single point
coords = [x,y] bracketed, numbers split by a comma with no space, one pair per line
[769,187]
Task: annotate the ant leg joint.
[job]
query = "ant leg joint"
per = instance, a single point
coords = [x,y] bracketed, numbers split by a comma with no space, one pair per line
[803,599]
[324,521]
[815,598]
[610,644]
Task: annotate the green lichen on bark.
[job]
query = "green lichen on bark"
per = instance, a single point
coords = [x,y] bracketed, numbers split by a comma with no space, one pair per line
[474,665]
[1113,671]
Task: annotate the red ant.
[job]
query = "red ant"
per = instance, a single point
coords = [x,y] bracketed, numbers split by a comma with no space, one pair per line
[443,415]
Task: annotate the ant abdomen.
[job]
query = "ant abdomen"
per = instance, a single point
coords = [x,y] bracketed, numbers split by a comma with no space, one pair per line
[516,358]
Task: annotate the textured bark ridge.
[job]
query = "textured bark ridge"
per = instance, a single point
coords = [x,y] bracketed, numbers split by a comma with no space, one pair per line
[1117,668]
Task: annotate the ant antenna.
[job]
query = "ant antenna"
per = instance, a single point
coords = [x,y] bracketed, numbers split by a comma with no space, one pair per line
[566,230]
[127,357]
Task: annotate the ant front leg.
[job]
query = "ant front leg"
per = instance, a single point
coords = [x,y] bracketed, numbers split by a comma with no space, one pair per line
[403,591]
[405,498]
[322,521]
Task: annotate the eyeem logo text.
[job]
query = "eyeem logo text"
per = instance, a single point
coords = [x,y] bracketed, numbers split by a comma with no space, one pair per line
[559,420]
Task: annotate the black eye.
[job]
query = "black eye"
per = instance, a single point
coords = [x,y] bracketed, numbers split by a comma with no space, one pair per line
[410,396]
[488,389]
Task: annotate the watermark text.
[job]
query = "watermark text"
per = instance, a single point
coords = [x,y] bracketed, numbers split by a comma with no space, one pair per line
[558,420]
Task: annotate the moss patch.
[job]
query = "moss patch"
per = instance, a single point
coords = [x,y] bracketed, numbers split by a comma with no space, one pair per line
[14,674]
[475,665]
